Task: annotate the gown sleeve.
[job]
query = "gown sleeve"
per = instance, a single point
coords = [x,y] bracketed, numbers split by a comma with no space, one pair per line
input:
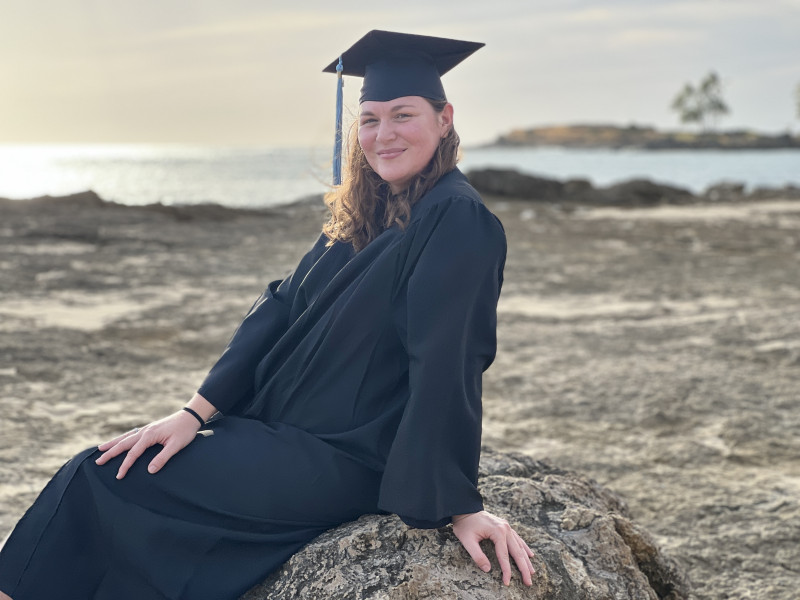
[432,468]
[231,380]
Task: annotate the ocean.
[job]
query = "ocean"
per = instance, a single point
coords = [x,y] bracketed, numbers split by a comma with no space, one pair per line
[268,176]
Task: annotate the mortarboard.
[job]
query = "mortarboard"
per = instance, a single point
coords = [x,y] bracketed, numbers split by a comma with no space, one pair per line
[395,65]
[402,64]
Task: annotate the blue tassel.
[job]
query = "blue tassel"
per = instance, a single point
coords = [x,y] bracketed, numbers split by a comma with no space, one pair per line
[337,147]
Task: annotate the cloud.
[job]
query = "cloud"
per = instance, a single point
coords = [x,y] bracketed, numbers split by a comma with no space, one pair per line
[268,23]
[237,61]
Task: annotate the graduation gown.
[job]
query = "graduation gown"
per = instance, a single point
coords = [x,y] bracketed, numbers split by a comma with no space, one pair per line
[352,386]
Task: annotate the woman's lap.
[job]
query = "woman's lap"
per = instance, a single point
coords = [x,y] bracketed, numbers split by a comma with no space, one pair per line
[223,512]
[255,472]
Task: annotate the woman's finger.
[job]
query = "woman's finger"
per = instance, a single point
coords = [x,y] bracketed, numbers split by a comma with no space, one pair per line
[521,559]
[116,440]
[500,539]
[123,445]
[171,448]
[473,547]
[133,454]
[525,548]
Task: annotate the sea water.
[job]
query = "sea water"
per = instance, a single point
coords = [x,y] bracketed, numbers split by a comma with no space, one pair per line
[268,176]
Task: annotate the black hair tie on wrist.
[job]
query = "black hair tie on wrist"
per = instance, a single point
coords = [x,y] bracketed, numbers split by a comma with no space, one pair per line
[195,415]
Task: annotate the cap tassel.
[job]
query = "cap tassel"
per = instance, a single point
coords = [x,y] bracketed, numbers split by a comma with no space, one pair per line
[337,146]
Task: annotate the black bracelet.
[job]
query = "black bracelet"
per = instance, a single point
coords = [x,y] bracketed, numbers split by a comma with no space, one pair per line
[195,415]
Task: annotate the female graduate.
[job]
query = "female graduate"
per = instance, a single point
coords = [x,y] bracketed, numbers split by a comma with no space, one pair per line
[352,386]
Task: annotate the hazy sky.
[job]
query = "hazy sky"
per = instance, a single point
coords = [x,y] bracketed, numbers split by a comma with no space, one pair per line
[249,71]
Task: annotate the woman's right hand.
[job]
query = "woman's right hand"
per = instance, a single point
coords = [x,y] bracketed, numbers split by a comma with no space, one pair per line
[174,433]
[471,528]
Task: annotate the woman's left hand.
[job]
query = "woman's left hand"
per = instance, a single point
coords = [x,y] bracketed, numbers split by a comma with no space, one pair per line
[174,433]
[471,528]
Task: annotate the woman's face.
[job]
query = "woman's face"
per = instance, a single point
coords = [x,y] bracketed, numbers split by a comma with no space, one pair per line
[400,136]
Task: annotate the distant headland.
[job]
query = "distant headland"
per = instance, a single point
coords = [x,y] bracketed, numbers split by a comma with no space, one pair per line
[643,137]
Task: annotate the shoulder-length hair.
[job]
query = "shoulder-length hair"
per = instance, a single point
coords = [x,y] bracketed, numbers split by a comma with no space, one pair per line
[363,206]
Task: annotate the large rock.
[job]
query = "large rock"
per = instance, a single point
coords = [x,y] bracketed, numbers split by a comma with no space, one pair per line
[643,192]
[725,191]
[787,192]
[585,544]
[508,182]
[633,193]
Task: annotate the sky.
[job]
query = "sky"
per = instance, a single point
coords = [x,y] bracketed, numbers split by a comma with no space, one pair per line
[249,71]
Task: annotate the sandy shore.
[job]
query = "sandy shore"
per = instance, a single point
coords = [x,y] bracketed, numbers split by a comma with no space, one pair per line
[656,350]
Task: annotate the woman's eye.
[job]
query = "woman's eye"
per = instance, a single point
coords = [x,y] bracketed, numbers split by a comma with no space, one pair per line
[402,116]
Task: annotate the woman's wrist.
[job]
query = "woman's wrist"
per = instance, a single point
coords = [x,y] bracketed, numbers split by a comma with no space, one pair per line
[199,419]
[457,518]
[201,407]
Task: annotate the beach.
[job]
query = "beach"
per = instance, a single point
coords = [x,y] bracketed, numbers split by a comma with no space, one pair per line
[655,350]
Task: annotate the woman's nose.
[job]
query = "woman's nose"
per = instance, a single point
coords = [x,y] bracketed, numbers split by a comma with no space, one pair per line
[385,131]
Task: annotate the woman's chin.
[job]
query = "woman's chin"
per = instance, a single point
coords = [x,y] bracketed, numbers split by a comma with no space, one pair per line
[396,183]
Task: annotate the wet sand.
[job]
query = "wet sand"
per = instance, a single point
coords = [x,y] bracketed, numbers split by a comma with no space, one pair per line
[655,350]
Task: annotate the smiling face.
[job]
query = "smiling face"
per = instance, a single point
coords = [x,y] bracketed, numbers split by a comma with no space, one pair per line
[400,136]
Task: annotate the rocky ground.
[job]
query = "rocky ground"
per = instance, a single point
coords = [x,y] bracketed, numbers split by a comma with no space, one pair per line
[656,350]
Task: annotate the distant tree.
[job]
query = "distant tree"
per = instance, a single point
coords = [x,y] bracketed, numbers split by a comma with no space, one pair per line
[703,104]
[686,103]
[711,92]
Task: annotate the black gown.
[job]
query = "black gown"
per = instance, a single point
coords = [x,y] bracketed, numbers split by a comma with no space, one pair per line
[352,386]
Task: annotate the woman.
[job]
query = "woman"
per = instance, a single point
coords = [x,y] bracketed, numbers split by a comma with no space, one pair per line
[351,387]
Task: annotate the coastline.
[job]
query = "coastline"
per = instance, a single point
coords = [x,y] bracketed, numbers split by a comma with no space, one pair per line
[653,350]
[644,138]
[261,177]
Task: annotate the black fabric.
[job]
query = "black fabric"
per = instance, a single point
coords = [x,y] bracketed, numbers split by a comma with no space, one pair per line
[352,386]
[222,514]
[397,77]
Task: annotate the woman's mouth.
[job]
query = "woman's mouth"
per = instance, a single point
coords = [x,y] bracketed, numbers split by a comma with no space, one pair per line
[390,153]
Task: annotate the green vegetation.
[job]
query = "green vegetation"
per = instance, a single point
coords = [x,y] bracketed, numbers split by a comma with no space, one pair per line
[703,104]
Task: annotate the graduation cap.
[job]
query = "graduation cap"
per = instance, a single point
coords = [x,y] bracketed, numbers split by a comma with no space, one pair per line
[394,65]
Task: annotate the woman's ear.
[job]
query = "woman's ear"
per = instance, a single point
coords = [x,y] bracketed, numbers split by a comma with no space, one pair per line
[446,118]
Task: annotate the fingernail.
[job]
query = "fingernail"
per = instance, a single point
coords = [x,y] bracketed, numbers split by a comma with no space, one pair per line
[486,568]
[151,469]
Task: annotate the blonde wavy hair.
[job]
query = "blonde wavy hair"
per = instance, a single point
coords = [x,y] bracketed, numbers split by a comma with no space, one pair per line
[363,206]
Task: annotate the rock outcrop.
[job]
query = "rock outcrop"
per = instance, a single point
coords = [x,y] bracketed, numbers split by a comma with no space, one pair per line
[510,183]
[643,192]
[636,192]
[586,547]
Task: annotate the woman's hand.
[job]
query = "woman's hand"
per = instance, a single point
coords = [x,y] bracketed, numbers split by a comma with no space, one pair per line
[470,529]
[174,433]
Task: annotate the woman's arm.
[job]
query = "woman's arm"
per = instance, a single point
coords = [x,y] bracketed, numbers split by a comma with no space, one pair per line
[228,382]
[451,297]
[174,433]
[470,529]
